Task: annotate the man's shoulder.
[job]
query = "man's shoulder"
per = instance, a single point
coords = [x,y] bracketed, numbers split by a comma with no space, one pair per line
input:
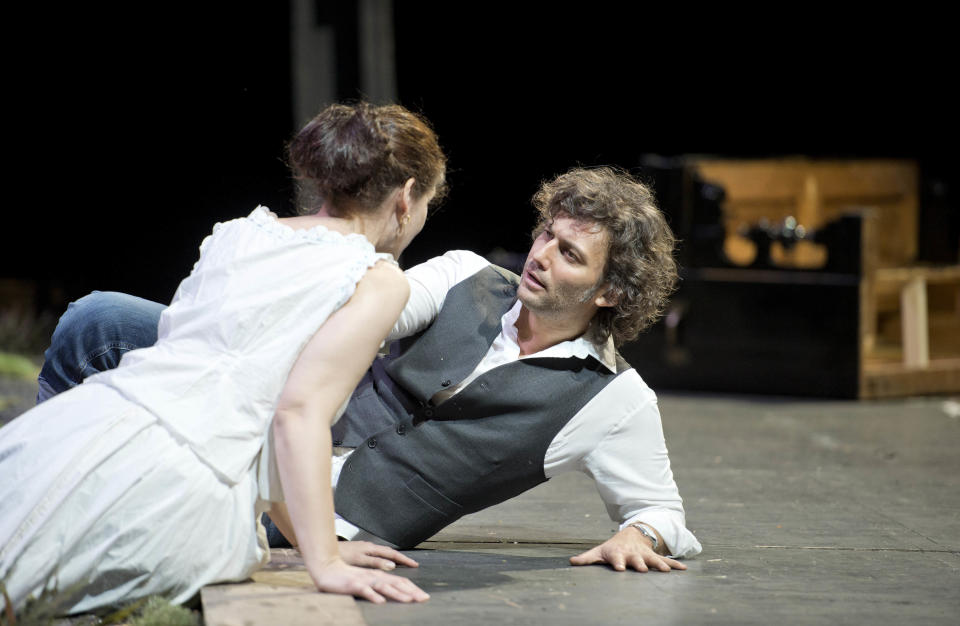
[624,366]
[467,264]
[613,417]
[448,269]
[466,260]
[627,387]
[479,275]
[510,277]
[475,265]
[614,392]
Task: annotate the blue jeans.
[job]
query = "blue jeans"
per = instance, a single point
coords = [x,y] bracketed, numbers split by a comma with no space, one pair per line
[91,337]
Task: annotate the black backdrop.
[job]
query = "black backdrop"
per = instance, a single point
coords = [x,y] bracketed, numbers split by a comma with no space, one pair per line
[134,131]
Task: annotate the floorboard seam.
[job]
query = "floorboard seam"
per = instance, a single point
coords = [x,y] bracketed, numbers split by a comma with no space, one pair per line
[843,549]
[439,545]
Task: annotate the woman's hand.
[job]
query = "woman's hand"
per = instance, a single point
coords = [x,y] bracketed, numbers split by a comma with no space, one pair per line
[374,585]
[367,554]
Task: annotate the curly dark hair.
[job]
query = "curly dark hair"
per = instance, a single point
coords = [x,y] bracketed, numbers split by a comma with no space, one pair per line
[358,153]
[640,266]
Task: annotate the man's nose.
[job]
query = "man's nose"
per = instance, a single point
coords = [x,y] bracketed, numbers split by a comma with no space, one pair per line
[542,254]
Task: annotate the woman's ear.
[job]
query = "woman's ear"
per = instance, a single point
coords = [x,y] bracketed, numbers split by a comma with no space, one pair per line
[405,200]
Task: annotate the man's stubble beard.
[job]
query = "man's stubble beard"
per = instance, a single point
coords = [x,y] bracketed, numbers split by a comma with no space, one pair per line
[556,303]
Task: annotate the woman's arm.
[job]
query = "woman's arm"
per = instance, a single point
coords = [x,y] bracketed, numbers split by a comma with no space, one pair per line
[325,373]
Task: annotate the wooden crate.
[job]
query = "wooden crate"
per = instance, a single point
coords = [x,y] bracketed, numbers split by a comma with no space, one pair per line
[911,339]
[815,192]
[909,314]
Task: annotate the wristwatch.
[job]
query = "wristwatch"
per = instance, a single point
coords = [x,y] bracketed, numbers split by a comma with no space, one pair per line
[646,532]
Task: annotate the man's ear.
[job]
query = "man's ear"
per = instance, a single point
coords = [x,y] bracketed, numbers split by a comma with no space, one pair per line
[607,297]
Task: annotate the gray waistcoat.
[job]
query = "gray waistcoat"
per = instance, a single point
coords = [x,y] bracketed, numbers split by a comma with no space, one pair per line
[419,467]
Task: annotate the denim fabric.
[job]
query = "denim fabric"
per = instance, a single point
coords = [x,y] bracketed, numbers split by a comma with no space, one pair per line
[92,335]
[274,537]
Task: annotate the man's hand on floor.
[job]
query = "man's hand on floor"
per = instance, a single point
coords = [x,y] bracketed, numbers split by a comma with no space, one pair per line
[628,548]
[367,554]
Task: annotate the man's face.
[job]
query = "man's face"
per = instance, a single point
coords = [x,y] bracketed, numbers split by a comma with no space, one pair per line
[563,273]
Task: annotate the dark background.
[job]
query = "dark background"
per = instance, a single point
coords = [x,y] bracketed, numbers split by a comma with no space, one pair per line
[134,130]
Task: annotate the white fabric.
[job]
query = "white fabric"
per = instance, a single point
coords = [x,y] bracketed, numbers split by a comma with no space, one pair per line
[616,438]
[145,478]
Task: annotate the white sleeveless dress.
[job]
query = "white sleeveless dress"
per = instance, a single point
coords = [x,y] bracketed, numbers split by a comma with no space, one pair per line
[150,478]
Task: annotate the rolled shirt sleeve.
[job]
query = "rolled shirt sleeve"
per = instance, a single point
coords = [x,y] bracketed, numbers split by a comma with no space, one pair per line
[617,439]
[429,283]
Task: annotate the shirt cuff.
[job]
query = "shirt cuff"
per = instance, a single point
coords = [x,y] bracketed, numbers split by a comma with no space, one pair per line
[348,531]
[680,542]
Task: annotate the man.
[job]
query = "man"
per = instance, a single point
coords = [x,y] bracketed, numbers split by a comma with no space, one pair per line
[495,382]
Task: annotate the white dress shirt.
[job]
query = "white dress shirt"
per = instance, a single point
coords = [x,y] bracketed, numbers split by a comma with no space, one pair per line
[616,438]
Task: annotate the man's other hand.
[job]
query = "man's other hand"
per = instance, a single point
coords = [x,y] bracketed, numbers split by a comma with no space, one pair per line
[628,548]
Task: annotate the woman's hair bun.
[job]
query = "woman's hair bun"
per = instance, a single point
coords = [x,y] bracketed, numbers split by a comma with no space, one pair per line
[340,149]
[352,155]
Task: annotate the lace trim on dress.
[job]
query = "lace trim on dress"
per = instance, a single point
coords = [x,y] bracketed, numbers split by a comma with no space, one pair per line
[266,219]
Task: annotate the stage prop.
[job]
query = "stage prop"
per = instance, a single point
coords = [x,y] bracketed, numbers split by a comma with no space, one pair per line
[799,277]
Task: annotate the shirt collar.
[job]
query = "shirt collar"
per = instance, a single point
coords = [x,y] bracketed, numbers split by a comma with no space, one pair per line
[581,347]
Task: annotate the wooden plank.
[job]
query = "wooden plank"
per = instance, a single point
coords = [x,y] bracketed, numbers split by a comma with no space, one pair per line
[891,380]
[281,593]
[913,316]
[940,274]
[256,604]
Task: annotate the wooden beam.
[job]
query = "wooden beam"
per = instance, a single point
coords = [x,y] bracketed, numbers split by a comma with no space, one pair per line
[938,274]
[913,315]
[281,593]
[892,380]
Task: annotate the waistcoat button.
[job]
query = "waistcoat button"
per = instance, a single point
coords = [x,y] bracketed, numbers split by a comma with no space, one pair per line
[428,412]
[337,442]
[445,383]
[401,429]
[372,443]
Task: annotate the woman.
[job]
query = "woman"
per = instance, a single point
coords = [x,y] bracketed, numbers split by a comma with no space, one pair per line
[150,478]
